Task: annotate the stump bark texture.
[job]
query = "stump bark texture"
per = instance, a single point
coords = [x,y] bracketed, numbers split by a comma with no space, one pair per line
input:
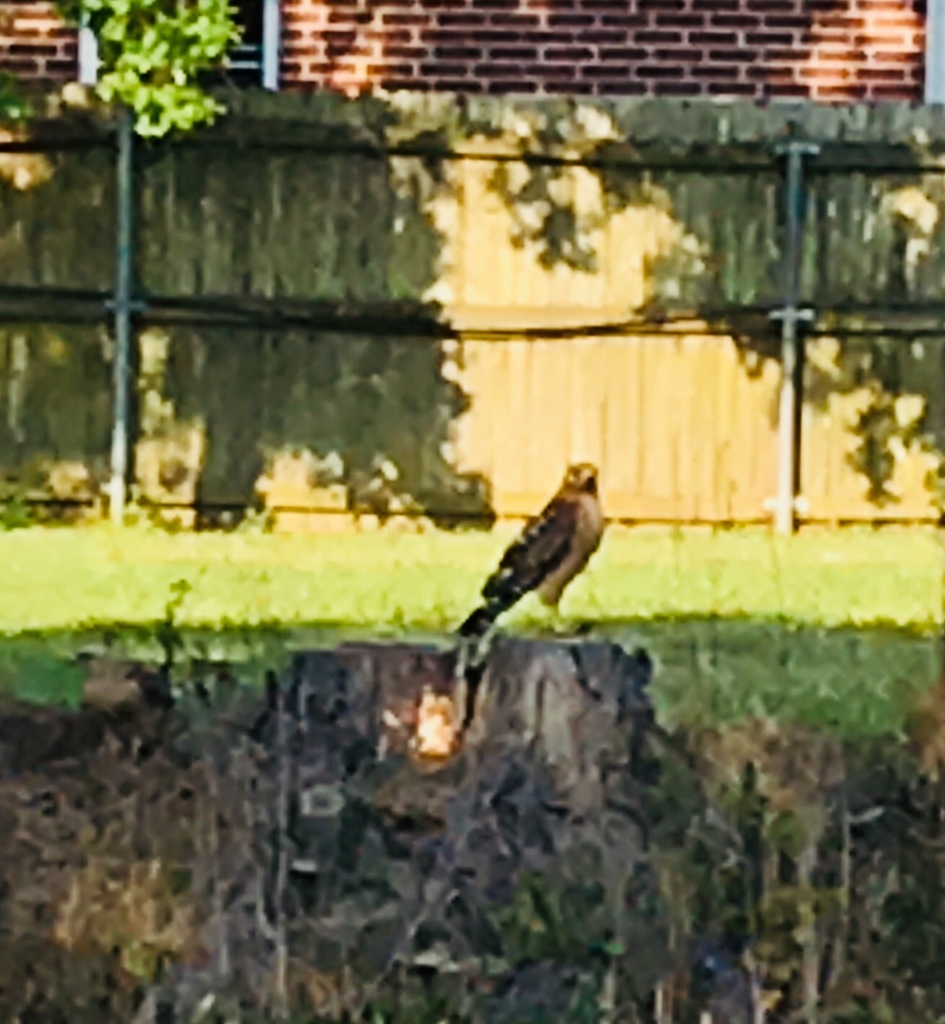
[305,858]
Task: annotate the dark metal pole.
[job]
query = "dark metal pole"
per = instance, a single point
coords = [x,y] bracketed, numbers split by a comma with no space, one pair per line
[790,316]
[121,380]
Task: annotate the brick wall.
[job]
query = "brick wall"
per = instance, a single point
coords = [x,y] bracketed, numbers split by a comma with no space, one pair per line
[34,44]
[826,49]
[832,50]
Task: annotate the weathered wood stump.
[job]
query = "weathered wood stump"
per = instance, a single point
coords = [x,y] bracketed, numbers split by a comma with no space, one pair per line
[343,839]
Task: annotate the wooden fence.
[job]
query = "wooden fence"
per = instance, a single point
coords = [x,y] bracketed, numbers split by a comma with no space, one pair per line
[476,295]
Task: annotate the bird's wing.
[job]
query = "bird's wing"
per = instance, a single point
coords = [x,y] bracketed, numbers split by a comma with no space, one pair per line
[537,551]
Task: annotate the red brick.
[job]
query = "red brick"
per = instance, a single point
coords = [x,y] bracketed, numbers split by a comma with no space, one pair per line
[770,7]
[517,84]
[348,17]
[888,74]
[675,20]
[890,21]
[398,70]
[600,6]
[445,69]
[766,71]
[559,38]
[603,36]
[707,72]
[33,49]
[891,92]
[459,85]
[403,18]
[309,49]
[569,88]
[436,36]
[611,71]
[741,55]
[878,56]
[513,52]
[573,21]
[800,21]
[839,92]
[390,36]
[744,22]
[661,71]
[516,20]
[686,55]
[25,66]
[507,72]
[405,52]
[846,21]
[457,52]
[785,90]
[661,5]
[336,37]
[674,88]
[493,35]
[659,36]
[628,88]
[821,74]
[731,89]
[848,58]
[623,53]
[778,53]
[712,38]
[624,20]
[765,38]
[547,72]
[410,82]
[462,18]
[570,53]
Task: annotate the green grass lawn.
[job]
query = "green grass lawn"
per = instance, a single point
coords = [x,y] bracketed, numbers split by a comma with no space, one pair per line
[837,628]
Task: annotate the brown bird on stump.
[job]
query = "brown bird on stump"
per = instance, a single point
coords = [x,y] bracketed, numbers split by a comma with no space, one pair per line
[552,549]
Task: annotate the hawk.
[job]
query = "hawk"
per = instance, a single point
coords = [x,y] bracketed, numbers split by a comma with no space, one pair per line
[551,550]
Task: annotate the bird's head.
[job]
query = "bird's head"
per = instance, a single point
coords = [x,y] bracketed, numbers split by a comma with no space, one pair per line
[582,478]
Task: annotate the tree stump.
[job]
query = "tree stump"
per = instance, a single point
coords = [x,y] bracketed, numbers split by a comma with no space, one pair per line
[347,843]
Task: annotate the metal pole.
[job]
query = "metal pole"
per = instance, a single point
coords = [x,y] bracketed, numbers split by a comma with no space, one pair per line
[122,307]
[790,316]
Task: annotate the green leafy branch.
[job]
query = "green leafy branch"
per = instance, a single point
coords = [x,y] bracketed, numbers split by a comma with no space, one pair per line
[12,106]
[152,52]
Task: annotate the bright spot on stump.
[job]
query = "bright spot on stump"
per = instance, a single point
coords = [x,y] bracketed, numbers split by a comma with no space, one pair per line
[436,734]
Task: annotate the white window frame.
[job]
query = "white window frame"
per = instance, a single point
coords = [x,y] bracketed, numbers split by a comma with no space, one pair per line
[271,44]
[935,52]
[88,56]
[270,58]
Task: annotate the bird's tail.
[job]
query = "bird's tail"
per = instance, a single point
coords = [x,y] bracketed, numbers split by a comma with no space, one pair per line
[476,635]
[480,620]
[483,618]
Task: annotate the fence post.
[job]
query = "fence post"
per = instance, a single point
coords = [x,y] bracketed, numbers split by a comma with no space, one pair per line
[122,307]
[791,316]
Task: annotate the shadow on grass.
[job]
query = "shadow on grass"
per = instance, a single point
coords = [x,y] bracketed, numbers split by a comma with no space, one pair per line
[852,680]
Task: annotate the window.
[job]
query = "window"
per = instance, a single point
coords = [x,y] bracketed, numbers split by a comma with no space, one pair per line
[245,64]
[255,61]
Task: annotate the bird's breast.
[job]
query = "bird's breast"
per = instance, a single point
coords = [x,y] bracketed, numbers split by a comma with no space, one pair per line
[590,523]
